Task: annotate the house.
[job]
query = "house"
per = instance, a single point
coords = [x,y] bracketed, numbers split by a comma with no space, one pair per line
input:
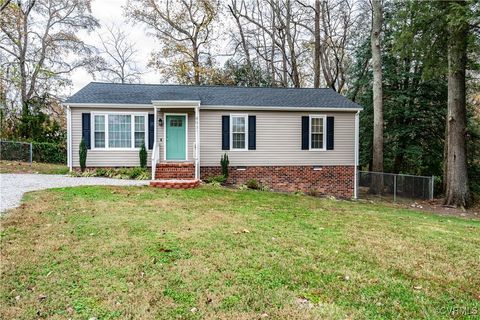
[288,139]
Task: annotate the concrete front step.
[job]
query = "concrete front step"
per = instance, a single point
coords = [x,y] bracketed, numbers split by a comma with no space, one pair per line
[175,183]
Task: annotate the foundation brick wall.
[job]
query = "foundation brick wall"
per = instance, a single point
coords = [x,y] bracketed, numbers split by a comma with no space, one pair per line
[337,181]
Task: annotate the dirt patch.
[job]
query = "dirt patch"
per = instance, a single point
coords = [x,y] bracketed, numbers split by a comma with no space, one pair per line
[436,206]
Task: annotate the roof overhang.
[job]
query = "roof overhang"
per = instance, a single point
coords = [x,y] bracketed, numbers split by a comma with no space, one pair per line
[197,104]
[176,103]
[273,108]
[107,105]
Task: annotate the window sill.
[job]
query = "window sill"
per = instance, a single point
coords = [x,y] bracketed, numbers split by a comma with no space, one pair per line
[116,149]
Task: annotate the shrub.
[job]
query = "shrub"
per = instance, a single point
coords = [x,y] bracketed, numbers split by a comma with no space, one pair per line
[49,152]
[120,173]
[83,155]
[253,184]
[143,156]
[224,162]
[216,179]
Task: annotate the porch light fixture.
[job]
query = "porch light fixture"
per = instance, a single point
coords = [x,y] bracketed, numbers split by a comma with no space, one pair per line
[160,122]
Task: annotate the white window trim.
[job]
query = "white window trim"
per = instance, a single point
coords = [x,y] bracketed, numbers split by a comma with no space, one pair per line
[316,116]
[132,133]
[234,115]
[165,135]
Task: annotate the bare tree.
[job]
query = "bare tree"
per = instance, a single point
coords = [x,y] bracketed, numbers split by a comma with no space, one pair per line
[377,165]
[457,190]
[334,22]
[118,55]
[4,4]
[37,37]
[185,29]
[275,36]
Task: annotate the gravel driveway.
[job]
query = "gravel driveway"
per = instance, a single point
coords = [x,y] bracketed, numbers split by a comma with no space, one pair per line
[13,186]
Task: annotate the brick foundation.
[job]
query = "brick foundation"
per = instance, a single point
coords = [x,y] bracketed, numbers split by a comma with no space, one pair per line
[337,181]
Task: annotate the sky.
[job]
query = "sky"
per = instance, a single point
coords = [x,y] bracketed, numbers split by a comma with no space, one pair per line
[111,12]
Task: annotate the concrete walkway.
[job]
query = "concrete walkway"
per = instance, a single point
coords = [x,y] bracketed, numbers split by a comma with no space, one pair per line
[13,186]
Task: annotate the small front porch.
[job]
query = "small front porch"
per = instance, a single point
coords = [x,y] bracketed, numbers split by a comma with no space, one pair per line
[175,160]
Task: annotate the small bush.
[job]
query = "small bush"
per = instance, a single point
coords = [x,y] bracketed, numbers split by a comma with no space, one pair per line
[83,155]
[313,192]
[224,162]
[253,184]
[265,188]
[216,179]
[143,156]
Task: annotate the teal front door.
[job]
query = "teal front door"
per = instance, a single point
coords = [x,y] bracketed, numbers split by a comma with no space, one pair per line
[176,135]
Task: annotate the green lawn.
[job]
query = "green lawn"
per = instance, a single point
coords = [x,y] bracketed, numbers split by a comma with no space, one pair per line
[35,167]
[147,253]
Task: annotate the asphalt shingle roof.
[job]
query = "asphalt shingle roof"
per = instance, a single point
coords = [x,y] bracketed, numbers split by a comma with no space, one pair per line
[113,93]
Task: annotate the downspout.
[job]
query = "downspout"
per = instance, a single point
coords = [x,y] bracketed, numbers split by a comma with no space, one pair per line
[197,141]
[357,141]
[69,138]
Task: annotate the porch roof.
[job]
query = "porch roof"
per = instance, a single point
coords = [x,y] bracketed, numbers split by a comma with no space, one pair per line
[139,94]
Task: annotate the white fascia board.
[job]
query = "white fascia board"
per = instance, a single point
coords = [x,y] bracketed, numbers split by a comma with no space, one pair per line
[197,103]
[109,105]
[176,103]
[270,108]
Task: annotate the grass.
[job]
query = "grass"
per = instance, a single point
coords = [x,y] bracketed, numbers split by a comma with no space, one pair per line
[25,167]
[215,253]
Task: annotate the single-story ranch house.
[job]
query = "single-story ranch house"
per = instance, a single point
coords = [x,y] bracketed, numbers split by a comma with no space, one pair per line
[287,139]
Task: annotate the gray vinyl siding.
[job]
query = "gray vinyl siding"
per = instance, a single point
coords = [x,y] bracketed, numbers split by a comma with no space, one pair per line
[278,140]
[103,157]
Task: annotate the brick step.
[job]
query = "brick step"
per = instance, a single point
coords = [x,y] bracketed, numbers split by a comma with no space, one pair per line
[175,184]
[175,170]
[175,164]
[176,176]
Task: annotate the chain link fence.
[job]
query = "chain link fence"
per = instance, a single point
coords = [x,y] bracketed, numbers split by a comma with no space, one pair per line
[394,186]
[32,151]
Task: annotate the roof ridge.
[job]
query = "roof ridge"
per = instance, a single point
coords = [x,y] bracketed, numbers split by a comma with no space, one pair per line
[205,86]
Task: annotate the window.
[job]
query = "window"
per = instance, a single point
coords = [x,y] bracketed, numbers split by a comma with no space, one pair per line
[317,132]
[176,122]
[99,131]
[119,131]
[139,131]
[238,134]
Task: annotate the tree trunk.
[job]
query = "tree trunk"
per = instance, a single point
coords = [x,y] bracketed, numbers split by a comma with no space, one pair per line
[196,65]
[457,190]
[377,183]
[316,54]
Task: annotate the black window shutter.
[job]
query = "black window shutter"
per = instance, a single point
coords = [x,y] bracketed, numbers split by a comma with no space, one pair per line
[330,130]
[225,132]
[252,132]
[151,130]
[86,129]
[305,132]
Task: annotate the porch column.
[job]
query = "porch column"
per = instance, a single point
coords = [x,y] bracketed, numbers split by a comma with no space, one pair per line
[197,142]
[155,149]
